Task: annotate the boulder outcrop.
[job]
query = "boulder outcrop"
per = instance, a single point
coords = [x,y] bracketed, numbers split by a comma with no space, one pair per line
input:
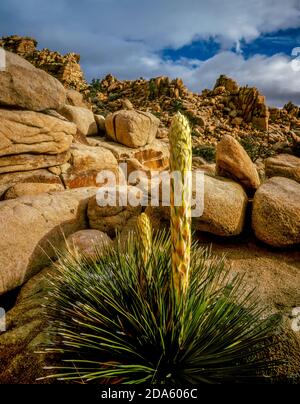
[32,227]
[33,132]
[132,128]
[233,161]
[82,117]
[24,86]
[276,212]
[283,165]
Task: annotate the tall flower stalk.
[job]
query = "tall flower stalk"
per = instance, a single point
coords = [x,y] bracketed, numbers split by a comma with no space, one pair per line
[181,189]
[144,232]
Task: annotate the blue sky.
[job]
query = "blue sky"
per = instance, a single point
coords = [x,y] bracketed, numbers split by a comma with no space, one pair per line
[282,41]
[196,40]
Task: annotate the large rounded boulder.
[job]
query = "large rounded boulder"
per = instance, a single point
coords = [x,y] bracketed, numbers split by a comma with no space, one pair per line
[276,212]
[24,86]
[232,161]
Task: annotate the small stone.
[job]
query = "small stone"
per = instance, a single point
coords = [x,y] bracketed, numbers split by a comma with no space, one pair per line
[90,243]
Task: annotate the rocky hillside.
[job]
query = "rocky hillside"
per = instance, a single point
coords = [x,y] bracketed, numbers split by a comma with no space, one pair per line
[57,133]
[226,109]
[65,68]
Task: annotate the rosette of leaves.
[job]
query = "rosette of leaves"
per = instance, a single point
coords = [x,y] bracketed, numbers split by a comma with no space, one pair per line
[115,320]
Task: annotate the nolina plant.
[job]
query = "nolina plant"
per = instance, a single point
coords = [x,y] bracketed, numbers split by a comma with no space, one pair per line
[157,310]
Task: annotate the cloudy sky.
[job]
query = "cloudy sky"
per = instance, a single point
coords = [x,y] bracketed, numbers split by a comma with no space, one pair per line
[197,40]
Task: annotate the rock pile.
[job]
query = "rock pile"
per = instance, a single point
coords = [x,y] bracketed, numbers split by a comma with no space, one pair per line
[40,130]
[50,144]
[23,46]
[227,109]
[244,103]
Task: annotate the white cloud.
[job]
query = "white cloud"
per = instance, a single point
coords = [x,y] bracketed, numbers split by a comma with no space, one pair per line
[162,23]
[157,23]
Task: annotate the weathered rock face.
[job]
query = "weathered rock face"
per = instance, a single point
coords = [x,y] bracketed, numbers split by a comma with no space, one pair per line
[33,132]
[225,204]
[154,156]
[132,128]
[34,176]
[253,106]
[90,243]
[232,161]
[23,46]
[276,212]
[22,85]
[86,163]
[85,158]
[31,188]
[35,224]
[111,219]
[283,165]
[82,117]
[25,162]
